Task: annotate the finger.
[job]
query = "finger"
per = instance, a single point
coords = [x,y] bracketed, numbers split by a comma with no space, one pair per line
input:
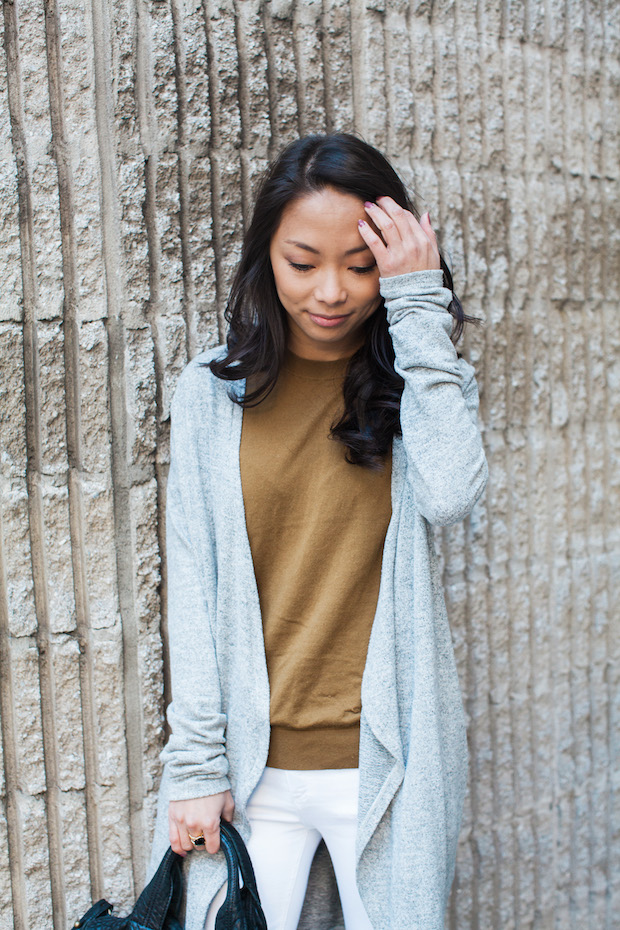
[194,827]
[404,220]
[424,241]
[429,232]
[212,838]
[394,210]
[384,222]
[425,224]
[228,811]
[374,242]
[175,839]
[186,843]
[419,228]
[408,226]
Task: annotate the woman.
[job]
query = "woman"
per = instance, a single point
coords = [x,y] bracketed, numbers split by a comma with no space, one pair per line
[308,459]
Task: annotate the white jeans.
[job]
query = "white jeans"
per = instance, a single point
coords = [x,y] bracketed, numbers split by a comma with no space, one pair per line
[289,812]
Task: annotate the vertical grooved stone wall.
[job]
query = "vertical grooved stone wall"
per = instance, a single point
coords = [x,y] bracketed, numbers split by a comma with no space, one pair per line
[132,136]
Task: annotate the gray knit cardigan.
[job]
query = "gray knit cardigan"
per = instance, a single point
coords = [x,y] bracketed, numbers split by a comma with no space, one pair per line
[413,756]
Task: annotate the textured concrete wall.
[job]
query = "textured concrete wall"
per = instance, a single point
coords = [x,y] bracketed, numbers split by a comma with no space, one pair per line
[131,134]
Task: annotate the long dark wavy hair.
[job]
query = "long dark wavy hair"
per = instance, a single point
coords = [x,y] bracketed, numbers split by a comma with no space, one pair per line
[257,336]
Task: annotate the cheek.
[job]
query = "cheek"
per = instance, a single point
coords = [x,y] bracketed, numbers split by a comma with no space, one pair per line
[277,272]
[282,281]
[286,291]
[370,292]
[292,288]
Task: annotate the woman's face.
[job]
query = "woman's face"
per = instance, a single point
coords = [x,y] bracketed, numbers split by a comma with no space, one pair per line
[326,276]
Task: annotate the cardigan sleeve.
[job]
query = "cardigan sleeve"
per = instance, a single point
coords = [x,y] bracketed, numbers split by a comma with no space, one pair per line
[195,753]
[439,405]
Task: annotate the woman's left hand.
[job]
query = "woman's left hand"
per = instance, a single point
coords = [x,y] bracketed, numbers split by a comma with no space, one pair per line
[407,245]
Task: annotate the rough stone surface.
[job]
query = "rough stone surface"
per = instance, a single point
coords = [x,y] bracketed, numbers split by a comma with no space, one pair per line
[132,137]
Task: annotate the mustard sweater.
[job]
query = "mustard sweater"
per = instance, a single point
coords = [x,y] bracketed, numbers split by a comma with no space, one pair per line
[316,526]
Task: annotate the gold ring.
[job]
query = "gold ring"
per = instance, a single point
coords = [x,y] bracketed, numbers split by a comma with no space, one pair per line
[196,840]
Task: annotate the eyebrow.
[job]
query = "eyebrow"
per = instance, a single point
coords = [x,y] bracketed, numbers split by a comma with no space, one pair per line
[308,248]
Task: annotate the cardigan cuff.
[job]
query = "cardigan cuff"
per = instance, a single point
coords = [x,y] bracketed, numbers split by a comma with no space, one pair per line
[412,284]
[190,789]
[407,294]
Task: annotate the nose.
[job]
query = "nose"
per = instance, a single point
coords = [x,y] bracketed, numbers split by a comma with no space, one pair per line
[329,288]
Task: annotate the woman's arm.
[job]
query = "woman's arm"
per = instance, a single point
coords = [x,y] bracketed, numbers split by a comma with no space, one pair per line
[438,411]
[195,753]
[440,398]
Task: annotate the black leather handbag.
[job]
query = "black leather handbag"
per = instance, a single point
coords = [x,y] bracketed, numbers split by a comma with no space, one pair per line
[159,905]
[157,908]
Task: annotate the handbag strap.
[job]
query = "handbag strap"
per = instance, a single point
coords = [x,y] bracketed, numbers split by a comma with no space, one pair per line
[161,899]
[238,861]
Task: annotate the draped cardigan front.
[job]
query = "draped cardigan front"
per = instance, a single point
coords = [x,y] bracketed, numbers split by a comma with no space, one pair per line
[413,756]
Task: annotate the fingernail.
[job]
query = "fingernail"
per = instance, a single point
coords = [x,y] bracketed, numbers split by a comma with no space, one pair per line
[368,204]
[361,223]
[429,217]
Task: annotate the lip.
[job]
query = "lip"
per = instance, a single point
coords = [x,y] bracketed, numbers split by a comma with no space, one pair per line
[328,321]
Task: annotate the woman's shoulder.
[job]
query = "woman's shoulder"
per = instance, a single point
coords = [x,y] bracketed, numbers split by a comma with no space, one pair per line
[197,385]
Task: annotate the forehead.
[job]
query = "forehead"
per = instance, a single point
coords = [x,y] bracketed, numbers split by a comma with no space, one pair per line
[322,215]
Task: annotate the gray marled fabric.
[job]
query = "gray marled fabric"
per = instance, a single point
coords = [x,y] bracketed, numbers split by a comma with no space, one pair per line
[413,760]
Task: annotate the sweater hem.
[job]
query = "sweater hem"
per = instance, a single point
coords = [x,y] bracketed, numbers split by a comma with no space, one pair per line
[315,748]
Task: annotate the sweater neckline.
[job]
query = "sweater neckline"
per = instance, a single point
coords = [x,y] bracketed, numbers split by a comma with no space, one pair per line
[314,370]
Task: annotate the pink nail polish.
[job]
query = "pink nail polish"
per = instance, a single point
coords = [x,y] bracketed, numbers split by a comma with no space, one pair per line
[368,204]
[361,223]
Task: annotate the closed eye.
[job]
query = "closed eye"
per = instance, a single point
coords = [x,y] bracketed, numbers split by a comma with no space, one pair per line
[364,269]
[299,267]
